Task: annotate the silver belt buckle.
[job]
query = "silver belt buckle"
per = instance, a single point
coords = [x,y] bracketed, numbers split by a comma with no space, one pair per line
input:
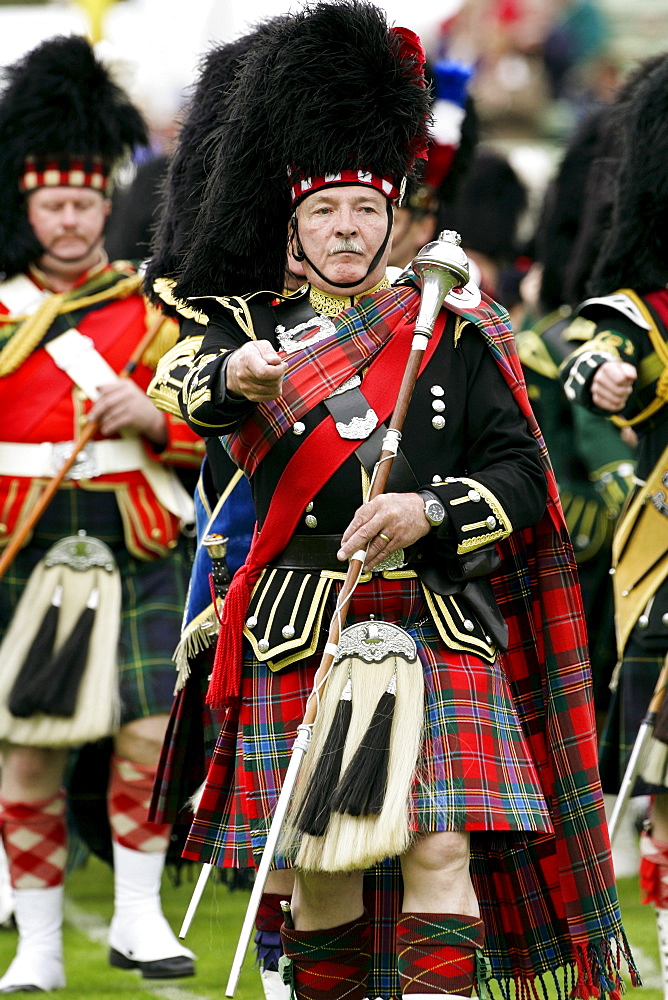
[85,465]
[395,560]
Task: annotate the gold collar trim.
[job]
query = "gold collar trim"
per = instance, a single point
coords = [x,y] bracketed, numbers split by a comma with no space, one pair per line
[326,304]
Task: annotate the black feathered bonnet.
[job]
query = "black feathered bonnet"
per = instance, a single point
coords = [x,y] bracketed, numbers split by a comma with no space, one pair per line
[635,251]
[63,121]
[193,159]
[330,95]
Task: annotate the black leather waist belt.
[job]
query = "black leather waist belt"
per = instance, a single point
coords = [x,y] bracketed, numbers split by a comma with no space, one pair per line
[311,552]
[316,552]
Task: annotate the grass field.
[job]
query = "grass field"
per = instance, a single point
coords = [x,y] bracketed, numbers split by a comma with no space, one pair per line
[213,937]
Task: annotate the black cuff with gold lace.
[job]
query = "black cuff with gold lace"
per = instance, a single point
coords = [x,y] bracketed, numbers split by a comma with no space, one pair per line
[475,517]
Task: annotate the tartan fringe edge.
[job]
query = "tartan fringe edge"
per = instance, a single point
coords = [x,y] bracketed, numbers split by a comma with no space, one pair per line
[594,973]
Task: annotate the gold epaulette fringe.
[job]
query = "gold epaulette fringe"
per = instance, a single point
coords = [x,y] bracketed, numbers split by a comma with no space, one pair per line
[28,335]
[33,328]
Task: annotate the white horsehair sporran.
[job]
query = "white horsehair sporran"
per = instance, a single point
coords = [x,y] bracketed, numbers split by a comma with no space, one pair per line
[77,573]
[374,659]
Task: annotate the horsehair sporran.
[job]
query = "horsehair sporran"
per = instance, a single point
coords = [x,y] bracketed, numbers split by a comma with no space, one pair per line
[354,842]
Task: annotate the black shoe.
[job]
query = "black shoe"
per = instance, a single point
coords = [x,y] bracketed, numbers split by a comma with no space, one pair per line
[176,967]
[22,989]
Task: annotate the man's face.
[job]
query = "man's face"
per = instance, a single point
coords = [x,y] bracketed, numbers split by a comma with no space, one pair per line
[69,223]
[341,229]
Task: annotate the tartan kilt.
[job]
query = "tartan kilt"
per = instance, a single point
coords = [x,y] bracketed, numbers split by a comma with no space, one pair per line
[628,707]
[188,745]
[475,770]
[152,596]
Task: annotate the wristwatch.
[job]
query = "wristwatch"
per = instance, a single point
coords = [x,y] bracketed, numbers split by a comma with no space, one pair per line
[434,510]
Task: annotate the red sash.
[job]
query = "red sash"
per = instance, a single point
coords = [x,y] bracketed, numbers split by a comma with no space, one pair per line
[303,477]
[108,328]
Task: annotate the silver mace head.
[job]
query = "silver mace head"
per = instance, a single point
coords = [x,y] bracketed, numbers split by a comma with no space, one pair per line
[439,266]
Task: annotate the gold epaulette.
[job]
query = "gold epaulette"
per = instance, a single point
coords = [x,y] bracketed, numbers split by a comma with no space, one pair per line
[170,370]
[163,288]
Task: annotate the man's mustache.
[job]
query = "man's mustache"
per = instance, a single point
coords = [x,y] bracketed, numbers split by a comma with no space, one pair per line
[346,246]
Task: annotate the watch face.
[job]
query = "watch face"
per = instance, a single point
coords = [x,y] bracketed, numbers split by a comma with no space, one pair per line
[435,512]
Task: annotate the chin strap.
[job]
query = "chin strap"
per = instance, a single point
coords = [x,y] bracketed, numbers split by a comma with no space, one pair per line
[300,253]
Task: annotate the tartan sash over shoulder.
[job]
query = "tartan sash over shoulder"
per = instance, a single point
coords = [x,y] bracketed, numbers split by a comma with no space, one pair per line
[303,477]
[314,372]
[547,661]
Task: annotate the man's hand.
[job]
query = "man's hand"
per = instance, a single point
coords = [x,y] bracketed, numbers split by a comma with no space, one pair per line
[256,372]
[612,385]
[398,516]
[122,405]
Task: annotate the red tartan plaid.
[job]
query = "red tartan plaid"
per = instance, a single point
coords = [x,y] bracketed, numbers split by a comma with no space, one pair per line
[35,839]
[654,871]
[330,964]
[130,787]
[385,318]
[436,952]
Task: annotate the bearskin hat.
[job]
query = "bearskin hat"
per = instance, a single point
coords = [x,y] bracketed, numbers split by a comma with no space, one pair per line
[329,89]
[63,120]
[563,207]
[193,157]
[577,209]
[488,206]
[634,253]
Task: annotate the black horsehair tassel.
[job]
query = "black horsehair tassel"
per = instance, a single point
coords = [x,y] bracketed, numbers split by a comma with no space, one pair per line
[361,791]
[315,810]
[29,679]
[69,663]
[55,681]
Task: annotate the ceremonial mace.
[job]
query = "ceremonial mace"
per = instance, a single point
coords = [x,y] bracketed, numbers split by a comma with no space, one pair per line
[439,267]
